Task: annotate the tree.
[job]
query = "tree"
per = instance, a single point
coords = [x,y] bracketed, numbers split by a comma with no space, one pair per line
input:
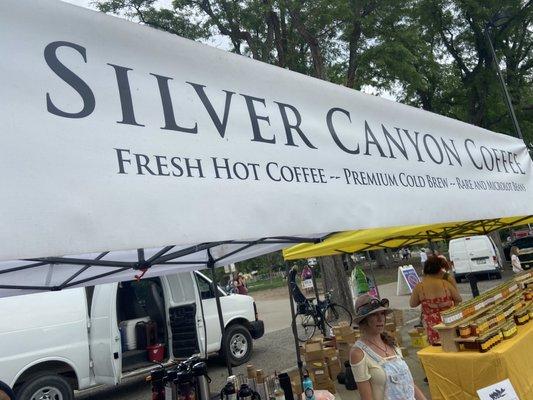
[336,279]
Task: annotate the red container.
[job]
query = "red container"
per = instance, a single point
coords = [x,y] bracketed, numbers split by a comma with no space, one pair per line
[156,352]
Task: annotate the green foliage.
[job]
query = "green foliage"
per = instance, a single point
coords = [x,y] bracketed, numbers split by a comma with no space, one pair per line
[431,54]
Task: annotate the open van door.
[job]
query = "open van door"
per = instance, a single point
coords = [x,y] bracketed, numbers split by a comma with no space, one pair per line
[185,317]
[104,336]
[459,257]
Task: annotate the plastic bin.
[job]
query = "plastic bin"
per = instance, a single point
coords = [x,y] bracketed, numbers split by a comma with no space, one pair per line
[128,328]
[156,352]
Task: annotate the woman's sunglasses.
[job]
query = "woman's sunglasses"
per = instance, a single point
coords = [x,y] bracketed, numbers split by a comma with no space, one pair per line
[372,305]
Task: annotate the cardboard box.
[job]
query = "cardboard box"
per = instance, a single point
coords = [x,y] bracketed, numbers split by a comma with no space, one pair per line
[398,317]
[318,371]
[344,351]
[334,367]
[329,386]
[350,338]
[342,330]
[390,327]
[313,346]
[314,355]
[330,352]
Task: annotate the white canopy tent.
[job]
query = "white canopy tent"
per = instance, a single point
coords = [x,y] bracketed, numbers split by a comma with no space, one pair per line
[116,136]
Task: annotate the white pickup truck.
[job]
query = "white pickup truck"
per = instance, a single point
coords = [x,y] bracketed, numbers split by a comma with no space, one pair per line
[53,343]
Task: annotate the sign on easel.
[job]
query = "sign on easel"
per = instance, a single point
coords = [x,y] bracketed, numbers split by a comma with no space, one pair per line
[407,280]
[307,284]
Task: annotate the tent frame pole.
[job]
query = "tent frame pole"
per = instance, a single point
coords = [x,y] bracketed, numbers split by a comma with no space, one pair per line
[294,331]
[214,284]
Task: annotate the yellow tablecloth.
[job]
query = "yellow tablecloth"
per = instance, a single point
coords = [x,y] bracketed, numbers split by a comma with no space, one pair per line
[457,376]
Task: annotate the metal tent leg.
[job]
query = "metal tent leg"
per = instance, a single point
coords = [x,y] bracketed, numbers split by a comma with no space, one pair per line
[211,265]
[293,324]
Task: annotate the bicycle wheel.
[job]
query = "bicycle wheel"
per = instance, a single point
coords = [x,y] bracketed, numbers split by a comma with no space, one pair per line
[336,314]
[305,327]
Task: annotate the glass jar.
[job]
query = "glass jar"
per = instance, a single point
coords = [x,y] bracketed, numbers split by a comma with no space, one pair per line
[474,330]
[464,330]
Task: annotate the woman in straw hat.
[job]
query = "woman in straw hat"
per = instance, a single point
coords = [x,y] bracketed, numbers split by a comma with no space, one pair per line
[377,363]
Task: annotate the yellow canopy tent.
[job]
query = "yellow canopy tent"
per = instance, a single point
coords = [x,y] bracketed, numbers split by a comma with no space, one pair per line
[380,238]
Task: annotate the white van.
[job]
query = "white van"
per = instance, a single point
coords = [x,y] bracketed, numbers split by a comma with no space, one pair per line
[53,343]
[474,254]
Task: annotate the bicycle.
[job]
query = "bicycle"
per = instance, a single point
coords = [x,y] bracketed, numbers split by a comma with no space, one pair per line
[309,316]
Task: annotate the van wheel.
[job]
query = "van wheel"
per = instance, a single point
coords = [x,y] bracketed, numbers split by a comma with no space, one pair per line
[237,344]
[46,387]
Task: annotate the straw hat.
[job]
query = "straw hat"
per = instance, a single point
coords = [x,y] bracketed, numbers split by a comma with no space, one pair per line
[366,305]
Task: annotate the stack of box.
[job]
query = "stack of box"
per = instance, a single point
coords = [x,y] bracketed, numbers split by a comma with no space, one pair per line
[345,337]
[319,373]
[333,362]
[323,365]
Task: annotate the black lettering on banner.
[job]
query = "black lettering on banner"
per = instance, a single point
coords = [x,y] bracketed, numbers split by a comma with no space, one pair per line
[518,165]
[122,160]
[399,145]
[430,154]
[254,118]
[414,142]
[128,115]
[289,127]
[168,110]
[142,163]
[483,150]
[272,163]
[480,167]
[449,151]
[71,79]
[496,159]
[175,163]
[219,124]
[160,161]
[374,141]
[190,167]
[333,132]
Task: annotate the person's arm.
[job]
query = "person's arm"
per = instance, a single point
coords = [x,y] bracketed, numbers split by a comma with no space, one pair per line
[365,390]
[452,280]
[455,293]
[515,261]
[360,371]
[418,394]
[414,301]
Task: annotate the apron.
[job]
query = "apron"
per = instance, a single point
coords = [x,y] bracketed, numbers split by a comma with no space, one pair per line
[399,384]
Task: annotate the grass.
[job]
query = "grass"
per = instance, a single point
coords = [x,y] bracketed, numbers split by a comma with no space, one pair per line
[383,276]
[266,284]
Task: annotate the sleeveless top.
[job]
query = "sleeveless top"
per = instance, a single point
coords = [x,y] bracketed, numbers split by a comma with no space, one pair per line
[431,309]
[389,377]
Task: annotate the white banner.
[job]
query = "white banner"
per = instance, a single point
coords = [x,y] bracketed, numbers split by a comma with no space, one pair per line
[119,136]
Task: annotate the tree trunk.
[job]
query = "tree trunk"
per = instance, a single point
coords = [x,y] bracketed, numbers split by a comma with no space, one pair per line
[382,260]
[334,278]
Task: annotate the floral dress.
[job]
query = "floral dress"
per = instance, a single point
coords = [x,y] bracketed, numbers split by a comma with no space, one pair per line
[431,309]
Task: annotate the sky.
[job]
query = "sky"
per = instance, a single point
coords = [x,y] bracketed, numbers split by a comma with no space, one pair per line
[218,40]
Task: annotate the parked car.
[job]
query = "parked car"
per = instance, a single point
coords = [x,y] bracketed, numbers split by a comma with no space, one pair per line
[53,343]
[525,244]
[474,255]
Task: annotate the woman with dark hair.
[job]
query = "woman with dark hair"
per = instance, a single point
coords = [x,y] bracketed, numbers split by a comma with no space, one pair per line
[377,363]
[435,294]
